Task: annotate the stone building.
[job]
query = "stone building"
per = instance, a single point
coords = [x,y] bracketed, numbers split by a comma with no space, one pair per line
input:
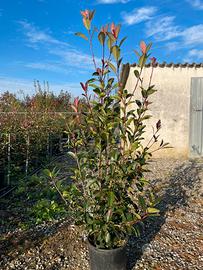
[178,103]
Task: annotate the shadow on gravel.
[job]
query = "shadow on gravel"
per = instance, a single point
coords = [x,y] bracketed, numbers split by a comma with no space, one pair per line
[13,213]
[182,182]
[20,242]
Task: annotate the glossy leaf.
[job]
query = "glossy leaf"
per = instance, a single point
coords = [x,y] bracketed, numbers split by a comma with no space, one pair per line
[81,35]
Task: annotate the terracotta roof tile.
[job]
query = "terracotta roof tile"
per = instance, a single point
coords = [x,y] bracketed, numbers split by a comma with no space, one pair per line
[175,65]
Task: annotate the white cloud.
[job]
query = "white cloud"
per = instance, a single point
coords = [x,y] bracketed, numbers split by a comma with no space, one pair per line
[15,85]
[67,56]
[35,35]
[196,4]
[75,58]
[163,29]
[175,46]
[53,67]
[18,85]
[194,55]
[139,15]
[113,1]
[193,35]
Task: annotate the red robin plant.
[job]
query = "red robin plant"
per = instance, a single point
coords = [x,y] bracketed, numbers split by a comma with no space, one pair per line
[109,194]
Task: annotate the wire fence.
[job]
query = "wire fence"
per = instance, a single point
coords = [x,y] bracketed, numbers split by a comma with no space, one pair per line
[8,189]
[25,146]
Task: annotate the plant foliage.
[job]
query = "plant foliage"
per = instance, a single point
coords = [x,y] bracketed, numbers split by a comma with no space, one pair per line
[109,194]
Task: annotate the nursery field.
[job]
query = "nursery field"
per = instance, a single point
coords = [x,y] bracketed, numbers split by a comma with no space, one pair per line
[31,132]
[172,241]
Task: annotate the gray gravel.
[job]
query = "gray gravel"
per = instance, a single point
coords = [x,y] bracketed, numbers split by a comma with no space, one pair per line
[172,241]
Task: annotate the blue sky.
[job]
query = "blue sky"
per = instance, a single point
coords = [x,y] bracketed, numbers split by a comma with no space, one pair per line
[37,38]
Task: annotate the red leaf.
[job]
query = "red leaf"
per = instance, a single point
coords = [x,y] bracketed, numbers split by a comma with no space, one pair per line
[143,47]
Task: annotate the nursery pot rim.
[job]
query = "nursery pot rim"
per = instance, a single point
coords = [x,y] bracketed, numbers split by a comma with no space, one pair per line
[105,249]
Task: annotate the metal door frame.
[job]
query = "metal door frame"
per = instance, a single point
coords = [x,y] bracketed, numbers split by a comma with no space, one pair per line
[193,124]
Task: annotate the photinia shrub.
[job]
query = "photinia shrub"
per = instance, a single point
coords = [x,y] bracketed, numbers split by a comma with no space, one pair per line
[109,194]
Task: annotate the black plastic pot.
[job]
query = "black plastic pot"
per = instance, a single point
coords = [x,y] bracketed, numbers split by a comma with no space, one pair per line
[107,259]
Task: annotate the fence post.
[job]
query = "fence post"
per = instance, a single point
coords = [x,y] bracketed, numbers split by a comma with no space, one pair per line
[27,154]
[48,152]
[9,159]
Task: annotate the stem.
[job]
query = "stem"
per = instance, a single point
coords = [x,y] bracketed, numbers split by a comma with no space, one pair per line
[100,165]
[151,139]
[139,220]
[124,123]
[78,165]
[136,85]
[151,75]
[91,49]
[89,105]
[61,195]
[103,57]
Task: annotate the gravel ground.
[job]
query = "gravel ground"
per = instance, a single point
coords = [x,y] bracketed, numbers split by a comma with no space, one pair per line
[172,241]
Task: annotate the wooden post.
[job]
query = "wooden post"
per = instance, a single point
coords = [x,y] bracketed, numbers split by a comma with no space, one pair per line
[9,160]
[48,151]
[27,154]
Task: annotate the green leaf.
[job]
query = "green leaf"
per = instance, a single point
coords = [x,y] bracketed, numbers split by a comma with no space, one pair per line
[145,117]
[92,182]
[151,210]
[97,91]
[112,67]
[137,74]
[137,216]
[72,154]
[144,93]
[116,52]
[138,102]
[47,172]
[108,215]
[137,53]
[141,201]
[109,43]
[135,145]
[111,198]
[151,91]
[107,237]
[93,85]
[129,121]
[65,194]
[101,38]
[119,62]
[92,14]
[81,35]
[111,37]
[142,60]
[122,40]
[86,23]
[149,46]
[91,80]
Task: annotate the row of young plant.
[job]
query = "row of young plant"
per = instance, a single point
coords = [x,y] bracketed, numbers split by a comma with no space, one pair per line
[31,131]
